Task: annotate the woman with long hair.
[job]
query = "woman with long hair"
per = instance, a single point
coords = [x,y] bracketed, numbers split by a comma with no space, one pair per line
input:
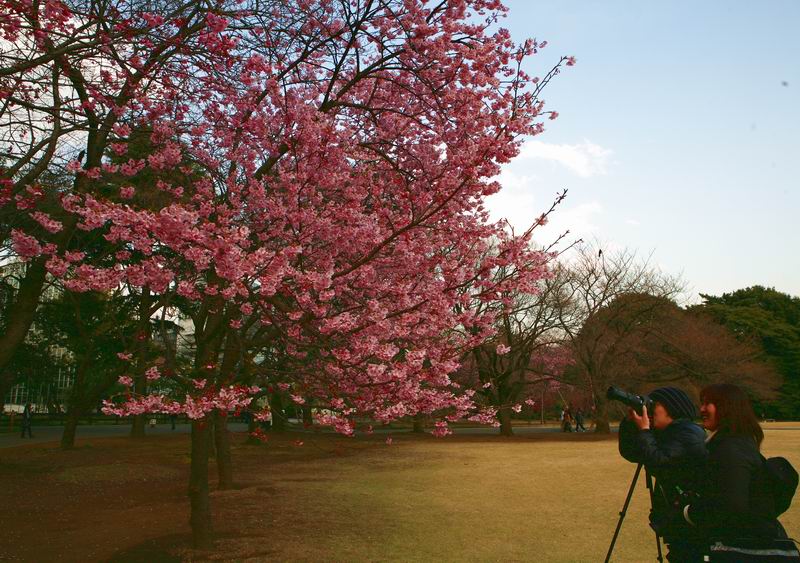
[737,502]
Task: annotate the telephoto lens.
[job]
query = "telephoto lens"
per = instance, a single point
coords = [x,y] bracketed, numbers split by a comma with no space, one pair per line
[636,402]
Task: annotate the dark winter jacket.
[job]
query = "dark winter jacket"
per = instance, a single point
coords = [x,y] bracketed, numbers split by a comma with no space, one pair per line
[676,457]
[735,501]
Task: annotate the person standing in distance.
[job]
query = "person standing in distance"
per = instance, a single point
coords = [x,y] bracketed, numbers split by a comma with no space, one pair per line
[27,420]
[673,450]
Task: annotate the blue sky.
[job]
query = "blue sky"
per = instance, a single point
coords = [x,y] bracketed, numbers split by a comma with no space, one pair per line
[676,135]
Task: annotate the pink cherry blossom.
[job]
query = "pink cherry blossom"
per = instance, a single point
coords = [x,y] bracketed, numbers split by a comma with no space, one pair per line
[24,245]
[440,429]
[50,225]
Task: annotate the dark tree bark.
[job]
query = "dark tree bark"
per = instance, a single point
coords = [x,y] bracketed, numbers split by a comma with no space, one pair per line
[138,425]
[20,316]
[308,418]
[230,359]
[504,416]
[419,423]
[223,443]
[200,520]
[76,401]
[278,416]
[209,333]
[70,428]
[252,424]
[143,336]
[601,425]
[212,444]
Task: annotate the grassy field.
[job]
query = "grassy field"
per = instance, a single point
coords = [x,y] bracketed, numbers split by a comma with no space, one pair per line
[545,497]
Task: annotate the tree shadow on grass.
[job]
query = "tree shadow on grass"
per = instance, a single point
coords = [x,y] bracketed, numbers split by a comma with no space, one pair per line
[176,548]
[157,550]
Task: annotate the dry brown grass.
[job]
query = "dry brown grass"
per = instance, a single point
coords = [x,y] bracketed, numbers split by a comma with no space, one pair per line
[545,497]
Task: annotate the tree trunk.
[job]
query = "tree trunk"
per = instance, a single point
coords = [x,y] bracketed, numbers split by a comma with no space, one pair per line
[70,428]
[252,424]
[212,443]
[504,416]
[20,317]
[308,417]
[601,425]
[543,388]
[76,399]
[223,443]
[419,423]
[278,416]
[138,426]
[143,337]
[200,519]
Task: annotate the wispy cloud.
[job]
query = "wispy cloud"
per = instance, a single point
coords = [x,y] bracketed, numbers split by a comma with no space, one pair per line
[520,204]
[585,159]
[579,220]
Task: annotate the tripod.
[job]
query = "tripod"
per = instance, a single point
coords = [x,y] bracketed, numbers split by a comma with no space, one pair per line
[649,480]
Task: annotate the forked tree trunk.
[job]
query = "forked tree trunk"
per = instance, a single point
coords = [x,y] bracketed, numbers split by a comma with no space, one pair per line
[223,443]
[200,519]
[504,416]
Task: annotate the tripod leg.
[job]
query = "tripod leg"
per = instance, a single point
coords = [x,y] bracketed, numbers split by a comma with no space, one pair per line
[649,479]
[622,515]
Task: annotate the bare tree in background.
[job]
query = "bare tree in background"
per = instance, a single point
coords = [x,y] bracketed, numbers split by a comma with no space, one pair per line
[590,282]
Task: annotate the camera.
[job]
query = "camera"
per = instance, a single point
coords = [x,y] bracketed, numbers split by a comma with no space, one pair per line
[636,402]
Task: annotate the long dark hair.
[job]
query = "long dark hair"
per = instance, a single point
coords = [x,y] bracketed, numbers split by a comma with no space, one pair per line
[734,410]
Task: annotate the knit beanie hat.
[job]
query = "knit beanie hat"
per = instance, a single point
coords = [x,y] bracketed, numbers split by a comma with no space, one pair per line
[676,401]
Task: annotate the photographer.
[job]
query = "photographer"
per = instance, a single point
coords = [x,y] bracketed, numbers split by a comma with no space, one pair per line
[672,448]
[737,506]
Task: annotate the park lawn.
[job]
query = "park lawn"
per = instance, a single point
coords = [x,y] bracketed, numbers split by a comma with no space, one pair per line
[542,497]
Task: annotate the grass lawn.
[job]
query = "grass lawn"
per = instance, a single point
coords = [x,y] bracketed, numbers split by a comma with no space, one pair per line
[542,497]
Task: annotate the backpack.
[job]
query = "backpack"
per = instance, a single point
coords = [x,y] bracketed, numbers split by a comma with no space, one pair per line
[782,480]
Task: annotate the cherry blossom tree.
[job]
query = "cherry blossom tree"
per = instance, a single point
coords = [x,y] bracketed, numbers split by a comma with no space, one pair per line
[528,348]
[322,169]
[71,73]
